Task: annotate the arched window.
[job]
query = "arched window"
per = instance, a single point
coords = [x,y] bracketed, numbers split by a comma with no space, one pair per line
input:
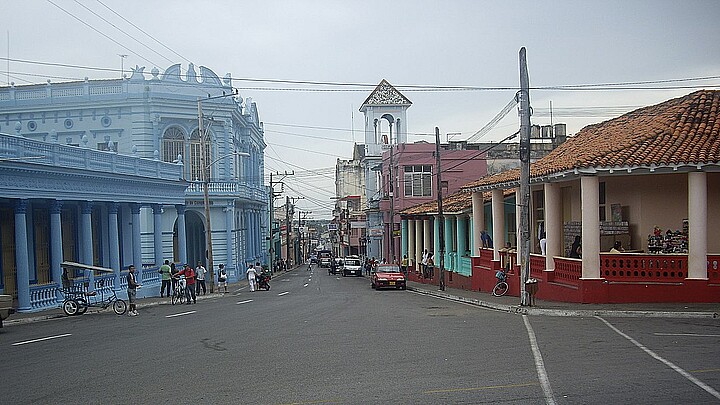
[173,144]
[195,160]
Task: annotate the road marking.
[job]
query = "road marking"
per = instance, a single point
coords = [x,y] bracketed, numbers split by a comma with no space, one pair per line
[539,364]
[488,387]
[306,284]
[283,293]
[180,314]
[652,354]
[244,302]
[685,334]
[42,339]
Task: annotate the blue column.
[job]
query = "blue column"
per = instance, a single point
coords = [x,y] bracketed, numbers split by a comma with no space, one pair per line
[136,241]
[21,256]
[114,240]
[248,235]
[56,244]
[229,264]
[448,242]
[157,234]
[182,237]
[403,238]
[461,238]
[86,246]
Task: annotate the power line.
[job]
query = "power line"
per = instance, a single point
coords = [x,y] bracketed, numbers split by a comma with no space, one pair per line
[101,33]
[143,31]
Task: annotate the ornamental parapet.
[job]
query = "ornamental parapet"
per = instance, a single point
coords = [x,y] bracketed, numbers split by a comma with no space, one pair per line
[24,150]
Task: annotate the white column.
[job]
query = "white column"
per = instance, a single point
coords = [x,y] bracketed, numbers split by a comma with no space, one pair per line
[182,236]
[114,243]
[478,222]
[427,236]
[697,225]
[590,194]
[418,240]
[157,234]
[411,240]
[136,240]
[553,224]
[498,222]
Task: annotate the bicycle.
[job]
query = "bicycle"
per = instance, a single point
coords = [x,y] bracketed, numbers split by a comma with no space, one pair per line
[178,295]
[501,288]
[77,300]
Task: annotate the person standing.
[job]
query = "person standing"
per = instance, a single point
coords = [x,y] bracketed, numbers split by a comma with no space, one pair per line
[251,274]
[576,248]
[543,243]
[200,277]
[189,283]
[165,276]
[430,266]
[132,286]
[404,265]
[222,278]
[173,273]
[424,263]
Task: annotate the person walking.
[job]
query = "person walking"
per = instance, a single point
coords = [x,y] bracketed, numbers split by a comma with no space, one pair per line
[189,283]
[132,286]
[165,276]
[222,278]
[200,279]
[424,263]
[251,274]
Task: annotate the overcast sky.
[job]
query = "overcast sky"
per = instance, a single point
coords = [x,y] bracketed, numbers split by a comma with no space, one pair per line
[409,43]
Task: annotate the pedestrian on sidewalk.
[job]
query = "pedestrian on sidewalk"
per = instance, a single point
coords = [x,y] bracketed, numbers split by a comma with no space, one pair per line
[404,265]
[200,277]
[165,276]
[251,274]
[222,278]
[430,266]
[424,263]
[189,283]
[132,286]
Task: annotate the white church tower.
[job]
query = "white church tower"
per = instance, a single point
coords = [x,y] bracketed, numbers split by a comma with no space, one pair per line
[385,112]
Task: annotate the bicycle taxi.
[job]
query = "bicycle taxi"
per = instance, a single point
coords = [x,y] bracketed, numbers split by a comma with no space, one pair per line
[78,297]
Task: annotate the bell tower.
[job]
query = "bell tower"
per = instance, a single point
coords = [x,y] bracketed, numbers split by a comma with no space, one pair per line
[385,125]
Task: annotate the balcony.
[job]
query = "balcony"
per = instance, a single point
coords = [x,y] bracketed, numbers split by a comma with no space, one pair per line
[228,189]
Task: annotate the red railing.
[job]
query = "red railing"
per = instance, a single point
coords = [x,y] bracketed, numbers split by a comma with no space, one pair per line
[713,268]
[537,265]
[643,267]
[567,271]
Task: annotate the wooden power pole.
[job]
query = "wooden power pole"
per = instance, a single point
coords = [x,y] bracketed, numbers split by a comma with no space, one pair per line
[441,217]
[524,197]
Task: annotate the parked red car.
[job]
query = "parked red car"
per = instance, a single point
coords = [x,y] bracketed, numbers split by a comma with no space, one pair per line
[388,276]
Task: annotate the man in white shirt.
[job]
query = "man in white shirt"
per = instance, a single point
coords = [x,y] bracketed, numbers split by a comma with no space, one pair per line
[251,273]
[200,279]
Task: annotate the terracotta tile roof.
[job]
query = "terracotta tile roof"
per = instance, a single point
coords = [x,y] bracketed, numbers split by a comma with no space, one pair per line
[684,130]
[454,203]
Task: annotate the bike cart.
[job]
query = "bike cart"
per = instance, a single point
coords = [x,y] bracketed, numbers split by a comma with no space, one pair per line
[78,297]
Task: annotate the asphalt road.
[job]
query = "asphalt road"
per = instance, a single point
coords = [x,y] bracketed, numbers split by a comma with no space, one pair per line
[316,338]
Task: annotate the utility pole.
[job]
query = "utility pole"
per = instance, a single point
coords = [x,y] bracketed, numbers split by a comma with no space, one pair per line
[288,227]
[272,215]
[206,199]
[524,196]
[441,217]
[122,65]
[296,254]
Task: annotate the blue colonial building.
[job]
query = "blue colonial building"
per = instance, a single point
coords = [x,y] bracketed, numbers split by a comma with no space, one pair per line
[110,173]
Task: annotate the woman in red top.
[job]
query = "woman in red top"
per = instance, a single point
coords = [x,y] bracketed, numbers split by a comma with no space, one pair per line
[189,282]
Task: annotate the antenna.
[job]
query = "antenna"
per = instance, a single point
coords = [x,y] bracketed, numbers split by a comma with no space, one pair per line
[122,65]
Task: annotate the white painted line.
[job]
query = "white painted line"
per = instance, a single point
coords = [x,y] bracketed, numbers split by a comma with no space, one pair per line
[283,293]
[539,364]
[180,314]
[42,339]
[652,354]
[685,334]
[244,302]
[306,284]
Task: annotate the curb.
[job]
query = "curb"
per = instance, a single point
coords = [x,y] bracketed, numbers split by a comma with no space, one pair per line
[517,309]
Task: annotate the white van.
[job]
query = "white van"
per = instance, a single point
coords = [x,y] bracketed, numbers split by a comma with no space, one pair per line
[352,266]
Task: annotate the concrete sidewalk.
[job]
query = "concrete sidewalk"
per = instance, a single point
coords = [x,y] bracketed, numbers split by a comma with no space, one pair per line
[19,318]
[548,308]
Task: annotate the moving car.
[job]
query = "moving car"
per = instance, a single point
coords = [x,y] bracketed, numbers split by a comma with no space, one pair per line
[5,307]
[324,257]
[352,266]
[388,276]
